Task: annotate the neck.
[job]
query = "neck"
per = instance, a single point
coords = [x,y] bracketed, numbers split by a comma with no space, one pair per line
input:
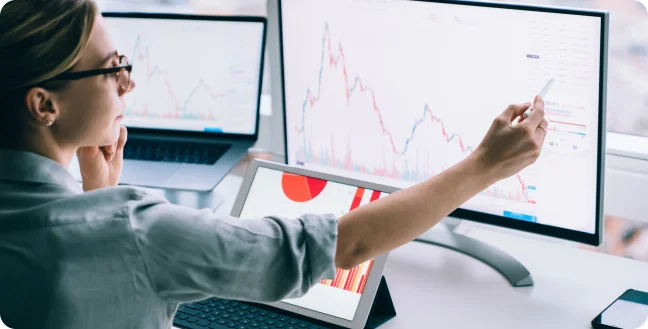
[43,143]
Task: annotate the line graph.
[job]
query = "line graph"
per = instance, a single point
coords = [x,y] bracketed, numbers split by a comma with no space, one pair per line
[396,157]
[175,108]
[207,82]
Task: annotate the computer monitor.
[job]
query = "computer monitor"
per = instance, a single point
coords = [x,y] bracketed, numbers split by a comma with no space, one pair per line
[192,84]
[396,92]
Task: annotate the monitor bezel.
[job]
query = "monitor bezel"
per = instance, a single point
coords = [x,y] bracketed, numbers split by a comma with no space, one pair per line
[595,238]
[214,18]
[371,287]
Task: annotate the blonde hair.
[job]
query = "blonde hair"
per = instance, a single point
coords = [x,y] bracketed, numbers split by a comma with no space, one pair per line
[40,39]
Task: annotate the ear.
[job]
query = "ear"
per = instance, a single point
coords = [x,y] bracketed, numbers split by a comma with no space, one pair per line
[42,106]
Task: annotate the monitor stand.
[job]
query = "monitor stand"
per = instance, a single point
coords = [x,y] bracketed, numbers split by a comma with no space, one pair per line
[505,264]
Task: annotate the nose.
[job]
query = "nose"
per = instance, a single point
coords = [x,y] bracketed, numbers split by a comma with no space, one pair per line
[131,86]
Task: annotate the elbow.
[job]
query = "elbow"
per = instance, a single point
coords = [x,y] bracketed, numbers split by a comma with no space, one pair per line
[348,257]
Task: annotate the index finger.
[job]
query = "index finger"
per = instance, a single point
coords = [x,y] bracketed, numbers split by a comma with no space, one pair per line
[537,114]
[123,136]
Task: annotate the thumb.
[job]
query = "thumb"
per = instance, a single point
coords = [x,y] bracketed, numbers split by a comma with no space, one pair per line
[87,152]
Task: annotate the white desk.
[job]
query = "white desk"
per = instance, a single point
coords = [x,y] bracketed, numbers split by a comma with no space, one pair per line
[434,287]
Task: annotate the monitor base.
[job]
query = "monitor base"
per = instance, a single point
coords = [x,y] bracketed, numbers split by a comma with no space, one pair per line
[516,274]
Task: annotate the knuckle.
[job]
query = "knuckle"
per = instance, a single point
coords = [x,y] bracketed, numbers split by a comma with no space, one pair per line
[500,121]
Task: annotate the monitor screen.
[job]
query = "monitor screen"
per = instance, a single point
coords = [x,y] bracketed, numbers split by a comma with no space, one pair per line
[274,192]
[396,92]
[191,75]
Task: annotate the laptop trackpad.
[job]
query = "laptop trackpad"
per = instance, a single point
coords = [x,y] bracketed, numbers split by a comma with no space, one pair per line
[144,172]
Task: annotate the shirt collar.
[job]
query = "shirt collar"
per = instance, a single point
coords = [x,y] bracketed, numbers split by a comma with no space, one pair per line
[30,167]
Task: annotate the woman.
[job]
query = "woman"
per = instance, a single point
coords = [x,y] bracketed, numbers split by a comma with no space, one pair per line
[107,256]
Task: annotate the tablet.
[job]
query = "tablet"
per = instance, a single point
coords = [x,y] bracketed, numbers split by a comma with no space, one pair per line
[272,189]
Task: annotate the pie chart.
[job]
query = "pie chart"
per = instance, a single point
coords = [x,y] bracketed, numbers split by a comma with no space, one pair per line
[301,188]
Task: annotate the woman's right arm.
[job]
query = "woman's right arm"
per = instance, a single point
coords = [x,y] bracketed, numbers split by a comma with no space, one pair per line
[390,222]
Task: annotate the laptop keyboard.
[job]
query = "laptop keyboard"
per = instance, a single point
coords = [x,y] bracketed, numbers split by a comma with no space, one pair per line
[179,152]
[215,313]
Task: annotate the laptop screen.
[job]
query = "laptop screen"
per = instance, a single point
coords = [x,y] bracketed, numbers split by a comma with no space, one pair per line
[274,192]
[192,75]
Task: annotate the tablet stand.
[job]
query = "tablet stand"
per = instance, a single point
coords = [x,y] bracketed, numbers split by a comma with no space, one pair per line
[516,274]
[382,309]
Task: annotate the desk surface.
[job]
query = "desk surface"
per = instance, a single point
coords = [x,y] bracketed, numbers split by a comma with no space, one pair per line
[435,287]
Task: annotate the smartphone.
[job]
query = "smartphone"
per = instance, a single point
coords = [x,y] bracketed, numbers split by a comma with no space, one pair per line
[629,311]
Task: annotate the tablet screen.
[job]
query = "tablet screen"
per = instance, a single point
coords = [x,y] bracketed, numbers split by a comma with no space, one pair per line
[274,192]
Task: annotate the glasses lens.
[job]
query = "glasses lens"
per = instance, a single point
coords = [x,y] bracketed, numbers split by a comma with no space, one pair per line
[123,78]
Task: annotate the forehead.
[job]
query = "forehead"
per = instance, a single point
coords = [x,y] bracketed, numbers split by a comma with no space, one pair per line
[99,46]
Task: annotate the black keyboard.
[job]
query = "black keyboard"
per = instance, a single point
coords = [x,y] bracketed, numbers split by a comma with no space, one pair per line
[180,152]
[215,313]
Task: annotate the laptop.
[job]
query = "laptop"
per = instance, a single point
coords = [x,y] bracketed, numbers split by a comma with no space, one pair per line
[195,110]
[345,301]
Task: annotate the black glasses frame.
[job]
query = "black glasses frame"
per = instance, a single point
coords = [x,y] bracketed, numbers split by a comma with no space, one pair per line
[90,73]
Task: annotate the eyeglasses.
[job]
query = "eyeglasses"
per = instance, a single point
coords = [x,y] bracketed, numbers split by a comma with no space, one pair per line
[122,73]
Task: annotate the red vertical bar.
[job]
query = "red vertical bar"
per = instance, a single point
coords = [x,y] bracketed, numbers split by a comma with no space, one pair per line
[361,285]
[338,275]
[350,279]
[357,198]
[368,271]
[374,196]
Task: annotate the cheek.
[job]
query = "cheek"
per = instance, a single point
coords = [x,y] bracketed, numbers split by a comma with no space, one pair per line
[91,114]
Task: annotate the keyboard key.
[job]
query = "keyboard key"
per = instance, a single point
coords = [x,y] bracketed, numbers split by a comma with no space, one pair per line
[263,313]
[232,324]
[212,319]
[283,319]
[215,300]
[181,316]
[222,308]
[202,316]
[245,321]
[255,325]
[241,313]
[226,316]
[192,319]
[235,319]
[280,325]
[303,325]
[212,305]
[244,307]
[203,323]
[231,310]
[203,302]
[223,322]
[242,327]
[261,319]
[195,306]
[207,310]
[271,322]
[293,322]
[273,316]
[188,311]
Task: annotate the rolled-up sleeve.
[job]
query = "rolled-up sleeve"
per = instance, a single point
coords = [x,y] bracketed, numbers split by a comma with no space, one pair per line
[192,254]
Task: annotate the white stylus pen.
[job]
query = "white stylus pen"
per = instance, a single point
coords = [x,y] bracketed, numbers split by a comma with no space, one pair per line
[541,94]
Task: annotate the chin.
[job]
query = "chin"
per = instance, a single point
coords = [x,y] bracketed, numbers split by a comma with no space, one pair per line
[111,136]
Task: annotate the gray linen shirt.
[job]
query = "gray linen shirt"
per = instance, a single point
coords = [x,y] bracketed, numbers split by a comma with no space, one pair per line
[121,257]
